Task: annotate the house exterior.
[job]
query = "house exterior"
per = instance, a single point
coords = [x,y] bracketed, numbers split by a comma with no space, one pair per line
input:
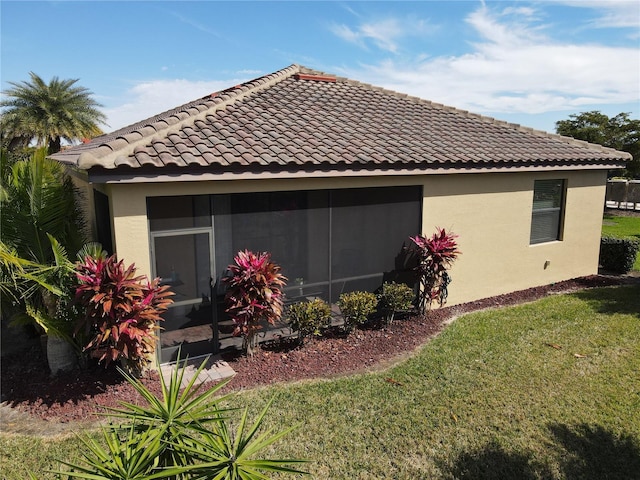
[332,176]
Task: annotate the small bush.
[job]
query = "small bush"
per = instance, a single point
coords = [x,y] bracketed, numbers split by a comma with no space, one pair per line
[435,255]
[254,295]
[618,254]
[122,311]
[307,318]
[395,297]
[356,308]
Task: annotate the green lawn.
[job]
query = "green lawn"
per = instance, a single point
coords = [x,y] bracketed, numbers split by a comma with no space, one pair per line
[622,227]
[544,390]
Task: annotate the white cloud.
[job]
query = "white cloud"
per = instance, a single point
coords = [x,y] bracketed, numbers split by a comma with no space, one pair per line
[612,13]
[514,68]
[512,25]
[385,34]
[150,98]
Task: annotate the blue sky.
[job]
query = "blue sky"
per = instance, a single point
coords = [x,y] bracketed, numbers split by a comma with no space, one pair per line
[528,62]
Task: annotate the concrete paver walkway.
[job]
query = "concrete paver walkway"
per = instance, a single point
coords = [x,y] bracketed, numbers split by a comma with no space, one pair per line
[215,369]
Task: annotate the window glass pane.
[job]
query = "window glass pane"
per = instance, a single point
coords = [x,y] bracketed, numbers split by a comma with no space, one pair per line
[547,194]
[183,262]
[172,213]
[188,330]
[103,220]
[546,226]
[546,216]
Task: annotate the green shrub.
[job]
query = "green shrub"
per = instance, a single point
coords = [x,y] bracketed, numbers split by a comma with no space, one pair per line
[618,254]
[395,297]
[356,308]
[307,318]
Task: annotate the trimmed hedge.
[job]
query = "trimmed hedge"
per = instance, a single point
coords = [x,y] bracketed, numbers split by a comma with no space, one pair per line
[618,254]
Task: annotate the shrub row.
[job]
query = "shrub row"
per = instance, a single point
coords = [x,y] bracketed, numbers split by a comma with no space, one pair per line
[310,317]
[618,254]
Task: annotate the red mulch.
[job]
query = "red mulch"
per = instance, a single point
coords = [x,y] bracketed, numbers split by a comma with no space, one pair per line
[26,385]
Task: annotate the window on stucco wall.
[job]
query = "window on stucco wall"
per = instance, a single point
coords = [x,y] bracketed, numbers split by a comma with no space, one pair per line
[548,210]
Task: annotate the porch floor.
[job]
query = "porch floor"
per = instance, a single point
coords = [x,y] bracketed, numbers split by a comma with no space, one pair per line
[215,369]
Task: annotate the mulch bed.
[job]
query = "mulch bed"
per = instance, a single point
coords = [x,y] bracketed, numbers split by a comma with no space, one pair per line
[27,386]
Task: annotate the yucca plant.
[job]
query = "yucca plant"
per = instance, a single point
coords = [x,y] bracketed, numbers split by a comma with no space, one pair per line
[222,455]
[128,455]
[122,311]
[183,433]
[356,308]
[254,295]
[395,297]
[435,255]
[178,411]
[307,318]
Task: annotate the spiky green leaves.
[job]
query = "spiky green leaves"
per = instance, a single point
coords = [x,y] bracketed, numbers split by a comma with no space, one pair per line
[50,111]
[181,434]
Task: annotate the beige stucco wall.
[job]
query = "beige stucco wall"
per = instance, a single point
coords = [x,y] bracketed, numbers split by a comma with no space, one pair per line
[491,213]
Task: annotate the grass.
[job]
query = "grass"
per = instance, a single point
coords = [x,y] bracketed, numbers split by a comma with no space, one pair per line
[622,227]
[544,390]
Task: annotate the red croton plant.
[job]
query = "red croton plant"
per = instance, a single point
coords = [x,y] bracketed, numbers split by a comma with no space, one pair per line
[122,311]
[254,294]
[435,255]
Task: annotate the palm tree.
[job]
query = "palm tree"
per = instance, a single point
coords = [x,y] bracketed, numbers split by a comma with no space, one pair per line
[40,222]
[49,112]
[38,200]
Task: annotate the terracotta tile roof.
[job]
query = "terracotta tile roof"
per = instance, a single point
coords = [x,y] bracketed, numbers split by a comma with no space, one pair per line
[298,119]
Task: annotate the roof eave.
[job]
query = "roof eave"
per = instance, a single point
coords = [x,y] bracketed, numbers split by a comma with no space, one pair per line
[142,175]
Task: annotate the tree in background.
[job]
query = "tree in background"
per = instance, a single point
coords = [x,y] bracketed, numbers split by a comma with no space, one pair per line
[619,132]
[48,113]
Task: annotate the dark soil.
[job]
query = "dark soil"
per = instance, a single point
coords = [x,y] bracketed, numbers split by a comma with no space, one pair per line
[27,386]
